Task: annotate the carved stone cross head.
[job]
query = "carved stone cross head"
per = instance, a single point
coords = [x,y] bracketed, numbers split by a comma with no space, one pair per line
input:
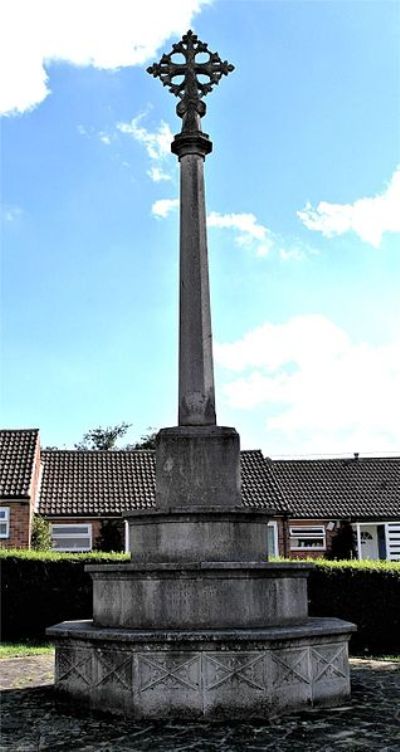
[195,78]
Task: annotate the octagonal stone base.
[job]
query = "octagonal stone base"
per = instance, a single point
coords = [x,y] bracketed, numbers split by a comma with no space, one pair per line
[214,675]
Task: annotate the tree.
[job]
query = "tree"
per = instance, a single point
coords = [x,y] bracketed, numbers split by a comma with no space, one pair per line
[147,440]
[41,535]
[103,439]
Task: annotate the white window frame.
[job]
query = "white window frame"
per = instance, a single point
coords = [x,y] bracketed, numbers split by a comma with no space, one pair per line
[87,533]
[5,519]
[274,525]
[307,532]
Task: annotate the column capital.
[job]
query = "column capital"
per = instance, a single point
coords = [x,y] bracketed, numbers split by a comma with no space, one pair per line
[191,143]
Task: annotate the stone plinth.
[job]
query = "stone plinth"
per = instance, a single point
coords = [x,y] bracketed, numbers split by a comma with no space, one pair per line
[214,675]
[197,466]
[205,595]
[198,534]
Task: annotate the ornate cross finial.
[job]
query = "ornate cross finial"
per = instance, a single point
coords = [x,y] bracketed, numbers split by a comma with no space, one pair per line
[190,89]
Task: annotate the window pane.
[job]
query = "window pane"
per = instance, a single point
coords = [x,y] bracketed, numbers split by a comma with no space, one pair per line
[271,541]
[307,543]
[70,530]
[3,514]
[72,543]
[3,530]
[307,530]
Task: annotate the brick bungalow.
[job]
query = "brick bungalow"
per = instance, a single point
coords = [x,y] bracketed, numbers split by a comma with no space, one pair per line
[85,494]
[324,497]
[20,471]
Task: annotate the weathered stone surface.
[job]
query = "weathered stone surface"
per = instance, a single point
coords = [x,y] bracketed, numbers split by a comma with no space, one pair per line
[198,535]
[218,674]
[32,718]
[197,466]
[219,595]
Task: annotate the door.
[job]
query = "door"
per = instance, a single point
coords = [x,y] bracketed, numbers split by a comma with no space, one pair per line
[369,542]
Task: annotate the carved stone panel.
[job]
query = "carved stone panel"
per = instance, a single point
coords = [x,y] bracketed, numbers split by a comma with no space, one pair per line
[114,669]
[329,662]
[291,667]
[330,672]
[234,680]
[74,667]
[166,682]
[289,676]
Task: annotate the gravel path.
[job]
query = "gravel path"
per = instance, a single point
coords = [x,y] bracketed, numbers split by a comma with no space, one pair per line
[30,721]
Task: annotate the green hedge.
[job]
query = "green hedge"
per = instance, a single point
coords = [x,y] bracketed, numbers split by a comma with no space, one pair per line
[43,588]
[365,593]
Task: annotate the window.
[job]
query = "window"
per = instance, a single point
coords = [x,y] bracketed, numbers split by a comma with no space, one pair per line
[273,539]
[307,536]
[72,537]
[4,522]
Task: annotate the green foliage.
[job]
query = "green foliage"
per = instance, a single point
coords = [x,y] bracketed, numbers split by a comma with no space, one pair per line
[366,593]
[21,649]
[90,557]
[147,441]
[41,588]
[103,438]
[41,535]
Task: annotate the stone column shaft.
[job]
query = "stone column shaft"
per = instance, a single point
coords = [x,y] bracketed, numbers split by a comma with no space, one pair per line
[196,372]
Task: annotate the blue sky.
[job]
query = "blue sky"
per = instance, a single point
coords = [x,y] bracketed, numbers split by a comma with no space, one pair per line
[303,200]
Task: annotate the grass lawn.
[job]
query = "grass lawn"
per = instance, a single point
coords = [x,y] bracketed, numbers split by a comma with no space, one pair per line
[21,649]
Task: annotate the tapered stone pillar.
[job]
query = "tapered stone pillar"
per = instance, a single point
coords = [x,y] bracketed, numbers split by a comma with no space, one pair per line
[196,372]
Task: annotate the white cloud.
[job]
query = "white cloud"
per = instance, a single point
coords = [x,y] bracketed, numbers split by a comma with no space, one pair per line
[157,174]
[369,218]
[100,33]
[105,138]
[10,213]
[249,232]
[320,390]
[156,143]
[164,206]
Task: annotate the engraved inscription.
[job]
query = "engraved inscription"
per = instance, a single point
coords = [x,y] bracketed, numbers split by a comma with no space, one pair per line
[162,670]
[293,666]
[234,669]
[329,663]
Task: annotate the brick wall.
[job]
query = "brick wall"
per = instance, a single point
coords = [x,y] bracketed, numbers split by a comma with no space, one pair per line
[20,524]
[94,521]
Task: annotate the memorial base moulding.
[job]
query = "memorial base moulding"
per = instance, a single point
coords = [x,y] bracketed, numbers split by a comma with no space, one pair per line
[214,675]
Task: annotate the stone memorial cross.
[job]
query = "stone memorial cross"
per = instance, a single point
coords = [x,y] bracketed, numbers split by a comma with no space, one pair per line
[196,373]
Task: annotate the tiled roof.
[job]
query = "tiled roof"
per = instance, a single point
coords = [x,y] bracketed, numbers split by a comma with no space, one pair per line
[258,485]
[113,482]
[17,454]
[358,488]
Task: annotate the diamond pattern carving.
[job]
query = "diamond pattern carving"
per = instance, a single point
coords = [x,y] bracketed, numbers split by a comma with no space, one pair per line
[329,663]
[162,671]
[74,665]
[234,668]
[116,673]
[293,666]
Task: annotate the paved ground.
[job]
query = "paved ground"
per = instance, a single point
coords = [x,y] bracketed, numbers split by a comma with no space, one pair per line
[30,721]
